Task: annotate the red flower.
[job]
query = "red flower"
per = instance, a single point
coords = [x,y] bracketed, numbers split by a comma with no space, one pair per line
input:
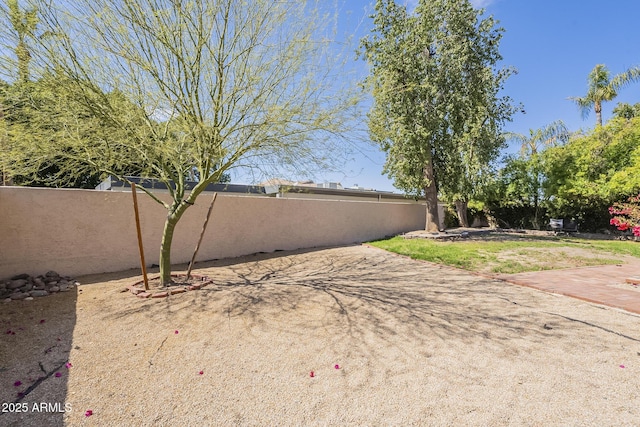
[614,221]
[337,366]
[88,413]
[176,332]
[19,383]
[58,374]
[623,226]
[636,231]
[312,374]
[68,365]
[201,372]
[42,321]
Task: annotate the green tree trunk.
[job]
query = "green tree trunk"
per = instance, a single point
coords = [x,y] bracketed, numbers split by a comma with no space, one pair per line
[170,223]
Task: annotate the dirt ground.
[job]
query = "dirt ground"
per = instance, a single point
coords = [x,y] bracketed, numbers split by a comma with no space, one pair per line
[414,344]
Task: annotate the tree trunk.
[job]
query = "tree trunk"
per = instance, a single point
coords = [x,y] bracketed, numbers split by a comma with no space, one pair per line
[431,194]
[167,237]
[598,107]
[165,250]
[461,210]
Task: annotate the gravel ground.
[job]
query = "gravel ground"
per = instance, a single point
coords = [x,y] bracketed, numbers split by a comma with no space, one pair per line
[415,344]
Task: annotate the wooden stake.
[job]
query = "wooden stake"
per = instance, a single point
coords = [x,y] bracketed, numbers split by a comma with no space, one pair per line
[204,227]
[142,263]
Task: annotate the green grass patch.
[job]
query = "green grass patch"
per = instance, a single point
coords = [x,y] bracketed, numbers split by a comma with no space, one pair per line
[515,254]
[621,247]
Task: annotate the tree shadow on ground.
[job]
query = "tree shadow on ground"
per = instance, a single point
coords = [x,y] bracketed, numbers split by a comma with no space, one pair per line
[359,293]
[37,338]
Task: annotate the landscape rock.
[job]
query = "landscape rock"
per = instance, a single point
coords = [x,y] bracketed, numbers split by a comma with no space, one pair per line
[15,284]
[38,293]
[25,287]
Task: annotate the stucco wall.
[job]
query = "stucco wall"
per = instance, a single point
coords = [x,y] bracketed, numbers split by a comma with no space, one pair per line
[85,231]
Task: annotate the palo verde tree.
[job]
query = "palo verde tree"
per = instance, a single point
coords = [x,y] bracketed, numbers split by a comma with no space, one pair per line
[603,88]
[217,85]
[435,83]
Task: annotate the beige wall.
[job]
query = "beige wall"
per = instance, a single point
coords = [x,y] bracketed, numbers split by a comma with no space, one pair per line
[85,231]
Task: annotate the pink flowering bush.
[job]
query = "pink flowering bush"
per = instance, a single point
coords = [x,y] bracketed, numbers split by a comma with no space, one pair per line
[626,216]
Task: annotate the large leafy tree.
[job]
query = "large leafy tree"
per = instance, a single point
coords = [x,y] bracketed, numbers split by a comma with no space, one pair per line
[435,84]
[42,149]
[527,171]
[594,170]
[515,196]
[215,85]
[20,25]
[602,87]
[626,111]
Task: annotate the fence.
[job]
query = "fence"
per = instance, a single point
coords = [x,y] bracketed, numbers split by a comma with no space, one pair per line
[79,232]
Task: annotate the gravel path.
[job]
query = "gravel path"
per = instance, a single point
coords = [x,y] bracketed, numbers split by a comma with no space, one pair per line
[415,344]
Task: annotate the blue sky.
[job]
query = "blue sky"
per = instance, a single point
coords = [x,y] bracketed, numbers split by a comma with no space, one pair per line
[554,44]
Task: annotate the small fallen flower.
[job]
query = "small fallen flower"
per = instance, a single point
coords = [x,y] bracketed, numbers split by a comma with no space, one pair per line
[68,365]
[337,366]
[312,374]
[88,413]
[42,321]
[201,372]
[176,332]
[17,384]
[622,366]
[58,375]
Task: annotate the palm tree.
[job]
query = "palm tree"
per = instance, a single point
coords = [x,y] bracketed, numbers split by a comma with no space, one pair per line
[24,24]
[602,88]
[551,135]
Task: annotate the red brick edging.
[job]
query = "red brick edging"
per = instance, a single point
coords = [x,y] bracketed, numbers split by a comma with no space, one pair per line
[138,290]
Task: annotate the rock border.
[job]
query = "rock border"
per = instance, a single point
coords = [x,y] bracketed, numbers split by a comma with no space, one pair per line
[26,287]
